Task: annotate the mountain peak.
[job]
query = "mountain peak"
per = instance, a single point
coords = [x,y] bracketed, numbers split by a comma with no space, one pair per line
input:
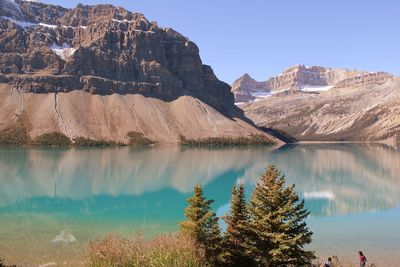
[244,78]
[145,79]
[302,78]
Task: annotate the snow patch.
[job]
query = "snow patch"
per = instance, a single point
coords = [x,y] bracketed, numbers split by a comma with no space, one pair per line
[280,91]
[22,24]
[313,88]
[26,24]
[261,94]
[64,52]
[48,25]
[120,21]
[128,21]
[319,195]
[143,31]
[67,27]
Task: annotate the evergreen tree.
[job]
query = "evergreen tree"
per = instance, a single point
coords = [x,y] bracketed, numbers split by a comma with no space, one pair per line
[236,252]
[202,225]
[277,223]
[213,245]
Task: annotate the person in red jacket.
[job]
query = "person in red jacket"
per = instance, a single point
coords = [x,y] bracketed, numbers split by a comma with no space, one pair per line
[363,259]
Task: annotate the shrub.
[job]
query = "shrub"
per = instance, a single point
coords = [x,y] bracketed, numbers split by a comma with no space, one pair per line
[87,142]
[252,140]
[138,139]
[52,139]
[14,136]
[2,264]
[166,250]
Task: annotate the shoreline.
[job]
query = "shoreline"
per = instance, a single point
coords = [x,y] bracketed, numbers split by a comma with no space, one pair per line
[382,142]
[347,259]
[337,142]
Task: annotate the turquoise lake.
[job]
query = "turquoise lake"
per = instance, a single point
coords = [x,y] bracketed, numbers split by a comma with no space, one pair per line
[352,191]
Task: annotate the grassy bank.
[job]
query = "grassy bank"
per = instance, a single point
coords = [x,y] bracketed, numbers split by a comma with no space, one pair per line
[166,250]
[18,136]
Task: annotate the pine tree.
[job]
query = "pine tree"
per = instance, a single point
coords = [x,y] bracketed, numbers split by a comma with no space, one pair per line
[277,223]
[213,245]
[235,241]
[202,225]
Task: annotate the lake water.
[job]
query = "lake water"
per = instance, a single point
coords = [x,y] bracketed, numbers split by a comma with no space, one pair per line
[352,191]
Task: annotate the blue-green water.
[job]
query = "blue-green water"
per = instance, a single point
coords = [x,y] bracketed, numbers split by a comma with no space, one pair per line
[352,191]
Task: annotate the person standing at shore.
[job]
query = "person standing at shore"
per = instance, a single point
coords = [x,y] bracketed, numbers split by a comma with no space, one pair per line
[328,263]
[363,259]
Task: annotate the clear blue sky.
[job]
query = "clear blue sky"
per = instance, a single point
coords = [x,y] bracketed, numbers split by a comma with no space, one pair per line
[264,37]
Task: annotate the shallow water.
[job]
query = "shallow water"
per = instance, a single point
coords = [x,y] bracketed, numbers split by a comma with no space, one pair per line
[53,201]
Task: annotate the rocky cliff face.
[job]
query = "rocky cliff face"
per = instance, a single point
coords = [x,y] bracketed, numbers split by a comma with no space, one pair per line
[245,88]
[302,78]
[363,108]
[101,50]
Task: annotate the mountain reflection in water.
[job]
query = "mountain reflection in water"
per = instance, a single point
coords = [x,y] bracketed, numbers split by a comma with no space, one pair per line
[80,194]
[335,179]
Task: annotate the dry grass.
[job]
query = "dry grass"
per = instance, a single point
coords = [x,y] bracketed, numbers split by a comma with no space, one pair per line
[166,250]
[2,264]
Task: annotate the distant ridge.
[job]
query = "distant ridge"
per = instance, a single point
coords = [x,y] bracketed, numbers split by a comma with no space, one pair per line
[324,104]
[302,78]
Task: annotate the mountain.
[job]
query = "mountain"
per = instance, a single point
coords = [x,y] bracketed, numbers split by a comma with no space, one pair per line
[324,104]
[301,78]
[101,71]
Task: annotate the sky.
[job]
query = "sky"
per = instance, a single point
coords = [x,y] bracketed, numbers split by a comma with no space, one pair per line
[263,37]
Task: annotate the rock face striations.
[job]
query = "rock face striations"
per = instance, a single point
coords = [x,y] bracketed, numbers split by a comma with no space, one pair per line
[103,50]
[323,104]
[301,78]
[102,71]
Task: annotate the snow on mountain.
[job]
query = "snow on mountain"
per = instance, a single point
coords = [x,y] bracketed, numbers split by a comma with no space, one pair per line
[64,52]
[26,24]
[312,88]
[22,24]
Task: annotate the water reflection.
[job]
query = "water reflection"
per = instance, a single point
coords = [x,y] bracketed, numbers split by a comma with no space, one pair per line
[335,179]
[79,194]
